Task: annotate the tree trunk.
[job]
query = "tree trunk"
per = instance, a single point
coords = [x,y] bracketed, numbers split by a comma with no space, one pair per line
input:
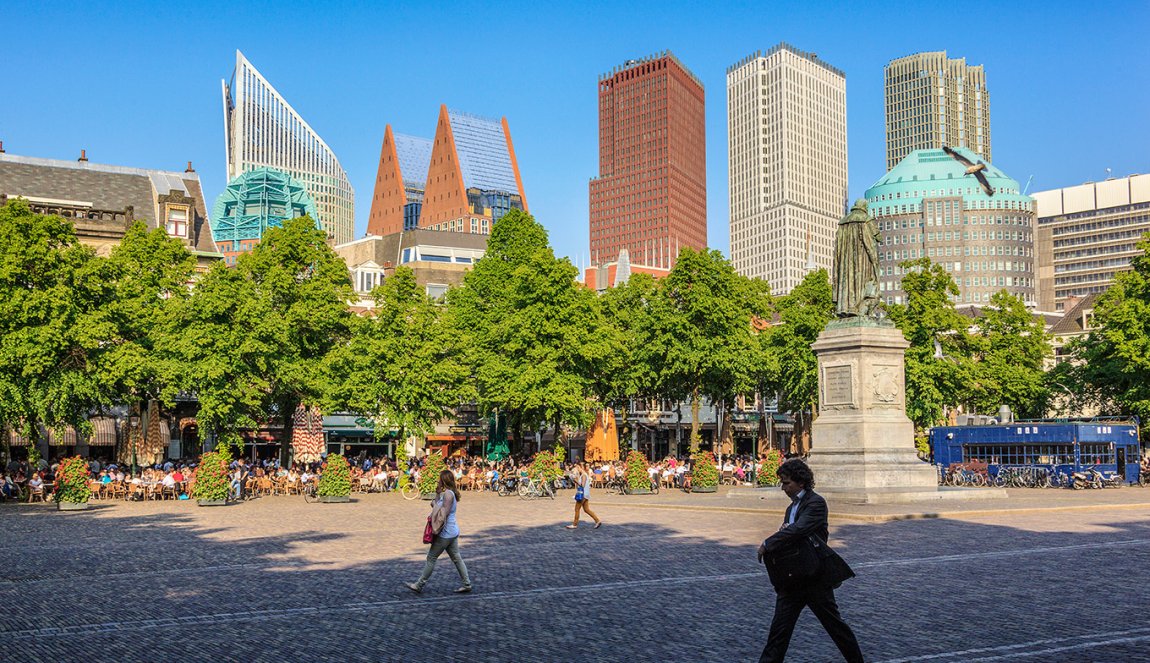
[695,421]
[678,429]
[287,412]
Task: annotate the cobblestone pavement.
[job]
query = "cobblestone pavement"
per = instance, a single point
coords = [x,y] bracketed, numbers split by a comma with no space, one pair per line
[275,579]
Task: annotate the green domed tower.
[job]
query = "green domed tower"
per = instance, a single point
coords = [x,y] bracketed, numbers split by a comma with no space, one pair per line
[253,202]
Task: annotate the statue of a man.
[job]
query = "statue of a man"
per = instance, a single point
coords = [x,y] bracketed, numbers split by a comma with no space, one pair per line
[855,278]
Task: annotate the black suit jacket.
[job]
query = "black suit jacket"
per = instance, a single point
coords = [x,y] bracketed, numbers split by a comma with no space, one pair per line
[811,520]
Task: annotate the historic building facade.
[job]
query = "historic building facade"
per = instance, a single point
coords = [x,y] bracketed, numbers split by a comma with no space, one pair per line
[787,164]
[929,207]
[651,193]
[262,130]
[931,101]
[1086,235]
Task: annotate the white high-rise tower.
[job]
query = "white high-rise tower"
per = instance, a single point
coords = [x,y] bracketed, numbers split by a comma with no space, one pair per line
[787,164]
[262,129]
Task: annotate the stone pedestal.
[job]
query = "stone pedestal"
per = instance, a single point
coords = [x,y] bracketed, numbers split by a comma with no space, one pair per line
[862,443]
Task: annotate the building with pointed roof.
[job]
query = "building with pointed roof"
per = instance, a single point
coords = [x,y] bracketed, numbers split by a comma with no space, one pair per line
[261,129]
[102,200]
[929,207]
[463,180]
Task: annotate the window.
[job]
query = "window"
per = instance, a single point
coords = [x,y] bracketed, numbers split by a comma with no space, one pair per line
[436,291]
[177,221]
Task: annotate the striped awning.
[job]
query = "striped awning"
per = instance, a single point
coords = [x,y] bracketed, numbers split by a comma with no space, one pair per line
[165,432]
[103,432]
[65,439]
[17,440]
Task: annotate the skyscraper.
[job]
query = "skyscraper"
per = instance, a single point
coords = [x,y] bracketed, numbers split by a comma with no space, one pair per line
[651,194]
[787,160]
[262,130]
[463,180]
[931,102]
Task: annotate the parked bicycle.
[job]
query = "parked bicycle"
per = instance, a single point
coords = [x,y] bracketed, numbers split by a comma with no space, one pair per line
[531,489]
[309,491]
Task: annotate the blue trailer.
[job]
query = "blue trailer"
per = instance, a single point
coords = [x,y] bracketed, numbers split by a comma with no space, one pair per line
[1111,446]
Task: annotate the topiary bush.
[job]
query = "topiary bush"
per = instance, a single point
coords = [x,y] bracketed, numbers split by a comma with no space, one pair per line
[402,465]
[72,481]
[335,480]
[211,477]
[704,473]
[769,469]
[544,467]
[429,476]
[636,472]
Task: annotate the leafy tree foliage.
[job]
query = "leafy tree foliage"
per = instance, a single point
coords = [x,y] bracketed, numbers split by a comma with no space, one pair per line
[1112,364]
[1012,346]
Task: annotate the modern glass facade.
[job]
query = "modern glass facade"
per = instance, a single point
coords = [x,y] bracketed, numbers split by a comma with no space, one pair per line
[262,130]
[929,207]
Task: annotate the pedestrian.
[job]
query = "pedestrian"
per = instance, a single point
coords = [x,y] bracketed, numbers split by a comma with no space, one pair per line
[803,535]
[583,496]
[447,534]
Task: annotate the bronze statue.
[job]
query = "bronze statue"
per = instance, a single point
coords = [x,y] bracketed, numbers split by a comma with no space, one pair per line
[855,278]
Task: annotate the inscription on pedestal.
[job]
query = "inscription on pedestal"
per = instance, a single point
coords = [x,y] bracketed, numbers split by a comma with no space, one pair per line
[837,386]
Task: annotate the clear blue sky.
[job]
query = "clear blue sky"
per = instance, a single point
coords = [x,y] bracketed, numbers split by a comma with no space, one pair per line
[138,84]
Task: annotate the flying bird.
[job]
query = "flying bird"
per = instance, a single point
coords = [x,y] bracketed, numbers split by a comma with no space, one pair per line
[972,169]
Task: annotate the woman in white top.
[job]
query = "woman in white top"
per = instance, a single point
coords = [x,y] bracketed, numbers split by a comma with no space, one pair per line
[583,496]
[446,536]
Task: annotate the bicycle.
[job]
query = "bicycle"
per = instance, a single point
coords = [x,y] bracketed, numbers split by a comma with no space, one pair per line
[409,491]
[309,492]
[531,489]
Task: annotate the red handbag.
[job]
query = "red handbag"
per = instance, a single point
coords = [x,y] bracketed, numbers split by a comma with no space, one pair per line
[428,532]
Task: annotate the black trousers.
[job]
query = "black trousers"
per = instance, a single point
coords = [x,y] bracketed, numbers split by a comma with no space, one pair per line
[821,601]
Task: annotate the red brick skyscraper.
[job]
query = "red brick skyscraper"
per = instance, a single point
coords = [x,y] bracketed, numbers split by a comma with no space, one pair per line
[651,194]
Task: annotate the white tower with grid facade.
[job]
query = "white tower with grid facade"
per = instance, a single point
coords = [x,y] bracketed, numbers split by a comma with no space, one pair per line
[787,161]
[262,129]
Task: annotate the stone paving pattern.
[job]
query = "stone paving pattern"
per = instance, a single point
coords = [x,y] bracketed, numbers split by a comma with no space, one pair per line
[1040,576]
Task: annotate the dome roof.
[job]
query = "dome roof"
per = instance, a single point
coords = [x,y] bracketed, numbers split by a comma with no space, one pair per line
[936,174]
[257,200]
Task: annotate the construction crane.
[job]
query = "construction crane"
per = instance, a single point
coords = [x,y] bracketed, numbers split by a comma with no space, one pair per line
[1027,187]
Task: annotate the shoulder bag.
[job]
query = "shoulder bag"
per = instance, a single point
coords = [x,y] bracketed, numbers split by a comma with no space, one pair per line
[428,532]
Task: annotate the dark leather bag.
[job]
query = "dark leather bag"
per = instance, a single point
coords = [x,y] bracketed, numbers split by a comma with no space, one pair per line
[795,566]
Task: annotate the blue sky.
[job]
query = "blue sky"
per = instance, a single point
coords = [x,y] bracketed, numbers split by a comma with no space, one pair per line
[138,84]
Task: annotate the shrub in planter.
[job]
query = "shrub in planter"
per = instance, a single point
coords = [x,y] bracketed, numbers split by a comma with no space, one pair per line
[211,483]
[72,481]
[636,472]
[545,467]
[704,473]
[335,480]
[402,465]
[769,468]
[429,475]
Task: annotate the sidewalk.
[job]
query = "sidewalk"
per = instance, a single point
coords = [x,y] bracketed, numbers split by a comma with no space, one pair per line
[742,499]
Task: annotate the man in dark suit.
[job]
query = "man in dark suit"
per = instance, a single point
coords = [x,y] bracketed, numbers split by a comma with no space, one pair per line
[806,517]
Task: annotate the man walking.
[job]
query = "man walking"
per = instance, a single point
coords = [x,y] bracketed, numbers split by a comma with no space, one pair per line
[811,585]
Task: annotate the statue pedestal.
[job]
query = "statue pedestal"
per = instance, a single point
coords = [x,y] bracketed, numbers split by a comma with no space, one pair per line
[862,443]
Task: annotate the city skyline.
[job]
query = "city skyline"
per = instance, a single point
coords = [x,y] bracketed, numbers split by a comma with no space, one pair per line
[355,72]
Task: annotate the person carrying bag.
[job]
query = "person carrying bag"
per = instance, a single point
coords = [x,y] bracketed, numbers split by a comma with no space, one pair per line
[803,569]
[442,532]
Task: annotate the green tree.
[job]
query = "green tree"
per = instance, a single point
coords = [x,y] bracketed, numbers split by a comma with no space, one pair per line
[52,289]
[1013,346]
[699,341]
[255,338]
[403,364]
[1110,366]
[938,366]
[529,328]
[790,367]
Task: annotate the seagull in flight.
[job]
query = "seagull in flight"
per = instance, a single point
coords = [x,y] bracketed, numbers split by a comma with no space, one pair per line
[972,169]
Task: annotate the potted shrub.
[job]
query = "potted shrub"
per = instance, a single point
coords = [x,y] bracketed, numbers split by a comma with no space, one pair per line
[335,480]
[545,467]
[704,473]
[211,482]
[429,475]
[768,469]
[72,490]
[403,466]
[636,477]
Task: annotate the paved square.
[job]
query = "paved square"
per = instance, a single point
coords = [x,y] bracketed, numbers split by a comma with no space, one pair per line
[668,578]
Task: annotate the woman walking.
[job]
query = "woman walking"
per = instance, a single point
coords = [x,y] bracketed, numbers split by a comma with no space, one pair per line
[583,496]
[447,534]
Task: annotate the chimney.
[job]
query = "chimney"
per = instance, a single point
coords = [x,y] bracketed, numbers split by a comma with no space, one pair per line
[83,156]
[189,169]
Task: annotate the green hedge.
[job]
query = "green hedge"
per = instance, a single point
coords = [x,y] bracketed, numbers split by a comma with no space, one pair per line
[769,469]
[335,480]
[211,477]
[72,481]
[704,473]
[636,471]
[429,475]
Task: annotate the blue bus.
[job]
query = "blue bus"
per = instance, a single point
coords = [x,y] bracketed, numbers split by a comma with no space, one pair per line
[1111,446]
